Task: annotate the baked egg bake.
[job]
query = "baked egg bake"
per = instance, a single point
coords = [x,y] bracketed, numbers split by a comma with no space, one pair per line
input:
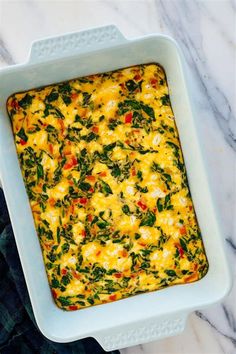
[105,176]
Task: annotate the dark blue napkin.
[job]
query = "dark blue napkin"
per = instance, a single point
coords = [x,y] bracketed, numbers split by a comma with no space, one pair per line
[18,330]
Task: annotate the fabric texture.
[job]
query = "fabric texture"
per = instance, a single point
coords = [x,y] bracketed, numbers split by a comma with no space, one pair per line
[18,329]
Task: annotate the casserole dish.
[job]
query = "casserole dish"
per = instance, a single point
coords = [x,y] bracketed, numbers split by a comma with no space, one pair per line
[149,316]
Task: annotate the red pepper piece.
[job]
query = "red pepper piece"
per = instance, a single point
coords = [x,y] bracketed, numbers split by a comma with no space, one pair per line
[137,77]
[183,230]
[74,95]
[90,217]
[103,174]
[95,129]
[23,142]
[142,205]
[14,104]
[180,250]
[73,307]
[153,82]
[71,163]
[128,117]
[91,178]
[133,171]
[83,200]
[51,201]
[112,297]
[51,149]
[124,253]
[54,294]
[118,275]
[62,125]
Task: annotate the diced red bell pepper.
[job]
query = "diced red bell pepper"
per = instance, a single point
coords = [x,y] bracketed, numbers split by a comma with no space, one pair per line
[118,275]
[181,252]
[76,275]
[128,117]
[112,297]
[133,171]
[62,125]
[137,77]
[83,200]
[15,105]
[153,82]
[183,230]
[95,129]
[90,217]
[50,148]
[71,163]
[142,205]
[54,294]
[23,142]
[73,307]
[51,201]
[74,95]
[103,174]
[90,178]
[124,253]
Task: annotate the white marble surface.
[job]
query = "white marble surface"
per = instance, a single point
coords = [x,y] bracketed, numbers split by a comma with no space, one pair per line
[206,31]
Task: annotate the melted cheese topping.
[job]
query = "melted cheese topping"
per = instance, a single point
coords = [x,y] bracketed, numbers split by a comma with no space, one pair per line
[105,175]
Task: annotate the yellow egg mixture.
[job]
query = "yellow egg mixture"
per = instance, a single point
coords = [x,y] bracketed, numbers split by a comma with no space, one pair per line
[106,180]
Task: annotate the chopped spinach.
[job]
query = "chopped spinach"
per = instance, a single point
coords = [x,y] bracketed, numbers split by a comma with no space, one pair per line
[141,189]
[84,186]
[126,209]
[165,100]
[65,247]
[65,301]
[86,98]
[26,101]
[105,188]
[22,134]
[148,219]
[164,203]
[53,96]
[133,86]
[170,273]
[40,172]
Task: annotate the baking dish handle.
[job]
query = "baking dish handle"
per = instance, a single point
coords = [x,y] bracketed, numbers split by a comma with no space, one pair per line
[142,332]
[75,43]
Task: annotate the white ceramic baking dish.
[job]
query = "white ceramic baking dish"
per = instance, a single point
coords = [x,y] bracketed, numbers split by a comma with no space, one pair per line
[141,318]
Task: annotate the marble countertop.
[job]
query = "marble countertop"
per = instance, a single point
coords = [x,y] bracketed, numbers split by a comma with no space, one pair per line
[206,31]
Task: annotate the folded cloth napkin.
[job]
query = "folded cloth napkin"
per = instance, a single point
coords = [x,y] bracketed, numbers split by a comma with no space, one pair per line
[18,329]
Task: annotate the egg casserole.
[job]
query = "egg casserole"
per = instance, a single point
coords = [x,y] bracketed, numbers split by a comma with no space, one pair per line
[104,171]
